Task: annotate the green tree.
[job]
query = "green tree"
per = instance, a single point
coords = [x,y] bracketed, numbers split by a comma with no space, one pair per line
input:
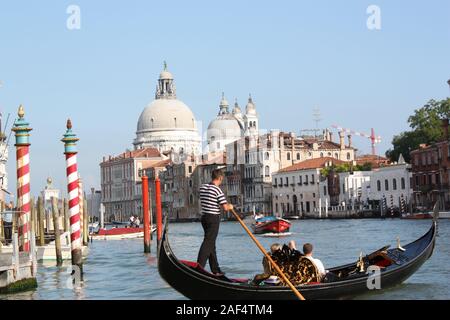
[426,125]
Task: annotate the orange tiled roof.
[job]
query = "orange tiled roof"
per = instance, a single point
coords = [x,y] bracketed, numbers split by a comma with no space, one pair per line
[313,164]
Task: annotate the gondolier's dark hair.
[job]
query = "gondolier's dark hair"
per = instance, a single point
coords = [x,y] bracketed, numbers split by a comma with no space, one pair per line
[307,248]
[216,174]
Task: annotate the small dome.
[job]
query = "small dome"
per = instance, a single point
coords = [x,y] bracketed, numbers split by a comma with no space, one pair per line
[250,108]
[166,114]
[236,109]
[165,75]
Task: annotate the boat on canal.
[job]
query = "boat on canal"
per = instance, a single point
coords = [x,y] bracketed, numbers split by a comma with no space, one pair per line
[417,216]
[395,266]
[120,233]
[271,224]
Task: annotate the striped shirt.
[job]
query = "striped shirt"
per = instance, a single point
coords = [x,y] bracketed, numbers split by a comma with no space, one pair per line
[211,198]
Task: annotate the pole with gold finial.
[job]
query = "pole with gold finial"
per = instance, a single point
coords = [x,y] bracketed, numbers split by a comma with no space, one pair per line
[70,150]
[21,129]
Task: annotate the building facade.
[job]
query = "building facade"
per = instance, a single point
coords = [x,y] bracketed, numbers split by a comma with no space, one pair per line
[121,181]
[431,171]
[300,189]
[252,160]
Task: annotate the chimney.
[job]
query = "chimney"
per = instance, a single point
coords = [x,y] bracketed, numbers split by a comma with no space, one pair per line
[445,128]
[349,140]
[342,140]
[330,134]
[275,139]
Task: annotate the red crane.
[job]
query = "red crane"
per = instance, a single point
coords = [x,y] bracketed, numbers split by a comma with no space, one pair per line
[373,138]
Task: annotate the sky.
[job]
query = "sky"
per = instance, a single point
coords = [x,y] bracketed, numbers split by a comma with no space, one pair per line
[292,56]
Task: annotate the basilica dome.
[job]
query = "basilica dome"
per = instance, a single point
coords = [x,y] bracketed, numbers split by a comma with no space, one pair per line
[167,123]
[166,114]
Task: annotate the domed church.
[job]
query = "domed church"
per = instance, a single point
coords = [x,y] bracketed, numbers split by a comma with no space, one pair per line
[228,126]
[167,123]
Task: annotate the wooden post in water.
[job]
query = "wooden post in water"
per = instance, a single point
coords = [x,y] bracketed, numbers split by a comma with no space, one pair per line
[158,210]
[146,213]
[33,216]
[2,231]
[41,214]
[86,222]
[66,216]
[55,213]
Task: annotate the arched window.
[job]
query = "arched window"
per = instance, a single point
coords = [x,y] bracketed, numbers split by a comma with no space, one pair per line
[298,155]
[321,154]
[175,120]
[267,171]
[394,184]
[336,155]
[190,183]
[329,154]
[379,185]
[403,184]
[152,122]
[386,185]
[267,156]
[288,156]
[348,156]
[191,199]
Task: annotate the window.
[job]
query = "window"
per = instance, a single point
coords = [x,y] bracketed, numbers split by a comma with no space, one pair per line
[190,183]
[403,184]
[312,178]
[190,169]
[349,156]
[394,184]
[275,182]
[336,155]
[267,171]
[287,181]
[276,207]
[306,179]
[267,156]
[191,199]
[288,156]
[386,185]
[379,185]
[321,154]
[298,156]
[324,190]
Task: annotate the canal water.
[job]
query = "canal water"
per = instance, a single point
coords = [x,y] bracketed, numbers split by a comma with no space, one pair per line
[119,269]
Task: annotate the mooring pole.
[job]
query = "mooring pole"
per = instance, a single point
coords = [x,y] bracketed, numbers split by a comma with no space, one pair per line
[55,213]
[158,209]
[21,129]
[70,150]
[41,214]
[146,213]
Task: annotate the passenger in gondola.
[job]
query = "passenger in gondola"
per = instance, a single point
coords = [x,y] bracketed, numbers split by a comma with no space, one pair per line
[267,267]
[308,252]
[132,221]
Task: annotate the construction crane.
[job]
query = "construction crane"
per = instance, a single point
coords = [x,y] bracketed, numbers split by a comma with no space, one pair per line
[372,137]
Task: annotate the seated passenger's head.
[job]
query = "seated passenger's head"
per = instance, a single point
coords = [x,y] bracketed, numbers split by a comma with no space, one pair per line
[292,245]
[307,249]
[275,247]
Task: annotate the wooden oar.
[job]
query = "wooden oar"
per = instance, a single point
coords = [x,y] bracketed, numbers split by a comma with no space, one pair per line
[277,268]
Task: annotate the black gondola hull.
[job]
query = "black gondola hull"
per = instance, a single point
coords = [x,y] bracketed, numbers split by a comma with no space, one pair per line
[199,286]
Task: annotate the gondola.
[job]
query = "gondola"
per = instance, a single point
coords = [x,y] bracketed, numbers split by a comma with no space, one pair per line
[396,265]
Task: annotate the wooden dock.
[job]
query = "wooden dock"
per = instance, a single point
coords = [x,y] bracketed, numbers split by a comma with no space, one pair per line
[18,269]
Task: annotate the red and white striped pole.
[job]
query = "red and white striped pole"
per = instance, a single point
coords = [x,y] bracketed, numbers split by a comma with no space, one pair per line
[21,129]
[70,151]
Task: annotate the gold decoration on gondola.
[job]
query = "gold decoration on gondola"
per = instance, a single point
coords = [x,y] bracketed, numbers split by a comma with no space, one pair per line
[300,270]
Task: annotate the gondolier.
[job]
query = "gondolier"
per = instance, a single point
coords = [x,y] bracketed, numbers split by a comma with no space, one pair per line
[212,199]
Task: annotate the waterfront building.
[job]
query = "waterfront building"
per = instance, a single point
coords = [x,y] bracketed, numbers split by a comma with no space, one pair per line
[121,178]
[168,124]
[180,185]
[430,165]
[94,200]
[47,194]
[300,189]
[253,159]
[392,182]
